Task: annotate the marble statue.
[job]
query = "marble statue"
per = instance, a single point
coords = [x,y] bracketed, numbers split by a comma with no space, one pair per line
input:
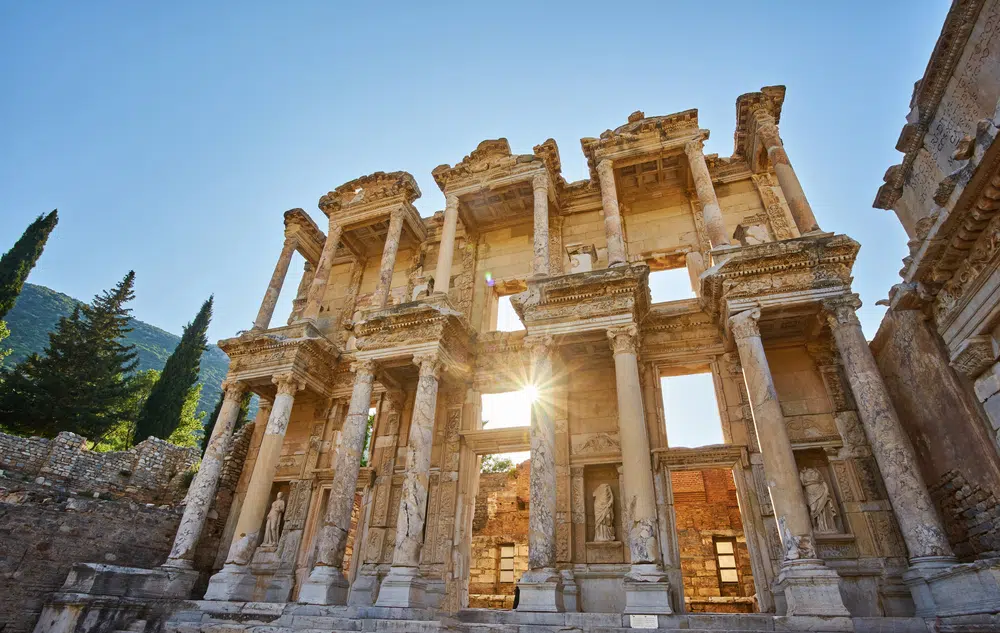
[821,506]
[604,514]
[272,529]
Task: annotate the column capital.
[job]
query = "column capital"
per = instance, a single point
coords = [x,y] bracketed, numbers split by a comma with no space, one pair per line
[624,339]
[395,400]
[605,168]
[233,389]
[842,311]
[430,364]
[364,366]
[539,345]
[695,148]
[288,384]
[451,200]
[744,324]
[765,120]
[540,181]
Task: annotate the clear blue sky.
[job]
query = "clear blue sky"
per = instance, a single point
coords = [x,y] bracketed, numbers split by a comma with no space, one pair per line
[172,136]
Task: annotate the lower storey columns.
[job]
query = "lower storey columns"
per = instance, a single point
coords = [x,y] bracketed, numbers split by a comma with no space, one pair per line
[235,581]
[807,585]
[646,587]
[541,586]
[404,587]
[327,583]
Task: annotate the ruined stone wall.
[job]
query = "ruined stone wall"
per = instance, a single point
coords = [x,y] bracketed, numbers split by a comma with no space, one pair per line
[944,423]
[706,509]
[44,531]
[499,526]
[152,471]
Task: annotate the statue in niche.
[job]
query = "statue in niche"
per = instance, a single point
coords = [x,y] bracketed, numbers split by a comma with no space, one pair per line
[821,507]
[604,514]
[272,529]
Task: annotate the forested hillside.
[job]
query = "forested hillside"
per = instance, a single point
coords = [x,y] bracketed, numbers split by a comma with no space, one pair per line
[38,310]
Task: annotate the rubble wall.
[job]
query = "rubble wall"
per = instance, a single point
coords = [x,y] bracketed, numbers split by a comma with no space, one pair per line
[152,471]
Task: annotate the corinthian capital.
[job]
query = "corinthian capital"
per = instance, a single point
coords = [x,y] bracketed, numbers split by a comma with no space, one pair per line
[365,366]
[233,389]
[624,339]
[539,346]
[605,169]
[288,384]
[540,181]
[842,311]
[430,364]
[744,324]
[694,148]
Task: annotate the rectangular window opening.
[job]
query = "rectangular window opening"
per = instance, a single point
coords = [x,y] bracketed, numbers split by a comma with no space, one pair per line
[510,408]
[672,284]
[725,560]
[691,410]
[507,319]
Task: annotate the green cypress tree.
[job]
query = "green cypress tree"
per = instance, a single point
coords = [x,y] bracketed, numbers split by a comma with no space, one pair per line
[19,260]
[82,383]
[162,412]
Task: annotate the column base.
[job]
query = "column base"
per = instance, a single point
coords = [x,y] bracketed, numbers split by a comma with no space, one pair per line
[540,590]
[325,585]
[403,587]
[647,590]
[363,590]
[940,587]
[232,583]
[570,591]
[810,588]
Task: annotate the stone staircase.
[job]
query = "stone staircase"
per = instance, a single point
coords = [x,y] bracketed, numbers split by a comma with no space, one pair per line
[233,617]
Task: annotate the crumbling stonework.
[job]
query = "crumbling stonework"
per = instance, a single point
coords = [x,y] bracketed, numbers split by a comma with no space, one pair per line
[152,471]
[499,535]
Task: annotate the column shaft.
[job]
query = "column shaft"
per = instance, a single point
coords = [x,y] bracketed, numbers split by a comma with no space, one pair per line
[540,187]
[388,259]
[446,251]
[918,519]
[299,303]
[612,215]
[710,209]
[413,504]
[317,290]
[636,468]
[802,213]
[270,300]
[542,506]
[781,471]
[203,487]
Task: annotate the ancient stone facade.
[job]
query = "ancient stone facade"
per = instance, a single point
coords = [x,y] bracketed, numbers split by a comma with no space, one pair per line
[399,313]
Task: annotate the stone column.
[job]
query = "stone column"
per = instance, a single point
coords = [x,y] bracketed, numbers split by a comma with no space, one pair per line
[314,300]
[403,586]
[540,187]
[327,583]
[202,491]
[305,282]
[808,586]
[646,587]
[767,132]
[612,216]
[274,287]
[446,251]
[710,209]
[234,581]
[918,519]
[388,259]
[541,586]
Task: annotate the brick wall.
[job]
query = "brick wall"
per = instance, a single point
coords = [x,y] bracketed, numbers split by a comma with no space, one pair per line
[501,521]
[706,509]
[152,471]
[971,516]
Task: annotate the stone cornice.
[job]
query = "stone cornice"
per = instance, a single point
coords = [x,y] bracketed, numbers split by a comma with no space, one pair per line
[715,456]
[649,133]
[308,236]
[768,100]
[927,94]
[492,163]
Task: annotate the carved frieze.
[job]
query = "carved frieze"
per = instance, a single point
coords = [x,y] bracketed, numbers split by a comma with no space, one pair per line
[298,350]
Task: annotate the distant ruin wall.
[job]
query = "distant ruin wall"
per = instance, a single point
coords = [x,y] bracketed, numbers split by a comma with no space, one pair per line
[152,471]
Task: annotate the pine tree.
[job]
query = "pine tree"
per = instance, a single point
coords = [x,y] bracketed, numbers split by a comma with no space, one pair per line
[162,412]
[19,260]
[241,417]
[82,383]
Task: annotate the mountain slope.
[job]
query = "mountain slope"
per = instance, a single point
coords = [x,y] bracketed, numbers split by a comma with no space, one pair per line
[38,310]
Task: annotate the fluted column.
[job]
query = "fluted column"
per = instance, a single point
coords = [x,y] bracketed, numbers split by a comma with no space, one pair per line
[206,481]
[446,251]
[227,584]
[388,259]
[403,586]
[612,214]
[540,187]
[802,213]
[327,583]
[314,300]
[918,519]
[270,300]
[710,209]
[808,586]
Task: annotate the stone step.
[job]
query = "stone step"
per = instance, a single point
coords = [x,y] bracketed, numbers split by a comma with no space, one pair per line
[137,626]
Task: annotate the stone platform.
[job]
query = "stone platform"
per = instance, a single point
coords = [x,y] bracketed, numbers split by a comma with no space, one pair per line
[257,617]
